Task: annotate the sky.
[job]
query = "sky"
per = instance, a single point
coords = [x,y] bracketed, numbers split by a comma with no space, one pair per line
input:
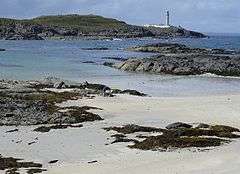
[219,16]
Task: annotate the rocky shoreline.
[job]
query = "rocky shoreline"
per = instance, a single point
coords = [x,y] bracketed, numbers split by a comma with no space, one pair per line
[82,26]
[35,102]
[179,59]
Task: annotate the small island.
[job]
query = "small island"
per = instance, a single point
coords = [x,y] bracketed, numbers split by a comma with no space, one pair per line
[75,26]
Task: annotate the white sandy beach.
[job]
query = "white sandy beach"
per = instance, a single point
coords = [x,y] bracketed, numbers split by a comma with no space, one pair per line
[74,148]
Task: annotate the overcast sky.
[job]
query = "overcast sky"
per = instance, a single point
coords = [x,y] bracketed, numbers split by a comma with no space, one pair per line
[203,15]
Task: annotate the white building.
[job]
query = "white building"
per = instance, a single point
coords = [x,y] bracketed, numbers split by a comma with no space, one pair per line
[166,25]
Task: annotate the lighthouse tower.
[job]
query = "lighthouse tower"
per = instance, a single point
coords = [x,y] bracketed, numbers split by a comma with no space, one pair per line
[167,19]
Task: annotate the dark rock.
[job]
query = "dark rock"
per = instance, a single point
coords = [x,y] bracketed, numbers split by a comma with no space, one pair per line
[59,85]
[24,36]
[89,62]
[121,138]
[203,126]
[179,59]
[91,162]
[35,170]
[173,31]
[128,91]
[44,129]
[33,142]
[116,91]
[114,58]
[14,130]
[178,125]
[174,48]
[133,92]
[124,140]
[17,142]
[118,136]
[2,49]
[53,161]
[184,64]
[98,48]
[98,87]
[110,64]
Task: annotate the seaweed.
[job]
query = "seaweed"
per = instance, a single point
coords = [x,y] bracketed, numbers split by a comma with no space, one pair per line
[201,136]
[13,164]
[44,129]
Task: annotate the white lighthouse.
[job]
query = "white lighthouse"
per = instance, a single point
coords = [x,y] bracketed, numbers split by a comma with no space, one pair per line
[166,25]
[167,19]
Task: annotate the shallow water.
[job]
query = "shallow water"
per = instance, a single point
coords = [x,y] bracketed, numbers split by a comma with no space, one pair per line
[38,59]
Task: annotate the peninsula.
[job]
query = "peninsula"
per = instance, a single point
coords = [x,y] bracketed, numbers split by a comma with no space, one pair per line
[78,26]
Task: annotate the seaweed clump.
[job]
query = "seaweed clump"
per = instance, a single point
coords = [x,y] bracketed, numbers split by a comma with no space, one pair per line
[35,108]
[12,165]
[132,128]
[44,129]
[201,136]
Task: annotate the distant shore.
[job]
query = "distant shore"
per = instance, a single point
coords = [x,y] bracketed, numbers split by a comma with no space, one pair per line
[75,26]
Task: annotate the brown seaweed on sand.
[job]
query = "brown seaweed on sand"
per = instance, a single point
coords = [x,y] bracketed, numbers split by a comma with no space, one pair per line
[178,137]
[12,165]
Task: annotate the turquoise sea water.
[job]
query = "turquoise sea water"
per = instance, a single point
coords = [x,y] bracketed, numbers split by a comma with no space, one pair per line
[38,59]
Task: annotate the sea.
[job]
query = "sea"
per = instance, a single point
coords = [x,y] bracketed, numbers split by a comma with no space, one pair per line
[66,59]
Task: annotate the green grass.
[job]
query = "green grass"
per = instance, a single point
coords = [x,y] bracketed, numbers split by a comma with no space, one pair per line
[71,21]
[78,20]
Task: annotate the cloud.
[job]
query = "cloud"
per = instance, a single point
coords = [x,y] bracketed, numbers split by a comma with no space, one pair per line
[204,15]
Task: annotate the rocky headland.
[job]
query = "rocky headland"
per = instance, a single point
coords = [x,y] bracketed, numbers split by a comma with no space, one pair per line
[82,26]
[179,59]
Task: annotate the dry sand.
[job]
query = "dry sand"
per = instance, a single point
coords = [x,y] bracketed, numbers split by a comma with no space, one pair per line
[74,148]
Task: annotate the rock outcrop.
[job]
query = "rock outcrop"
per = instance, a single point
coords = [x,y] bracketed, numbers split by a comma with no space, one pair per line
[174,48]
[173,31]
[181,60]
[37,102]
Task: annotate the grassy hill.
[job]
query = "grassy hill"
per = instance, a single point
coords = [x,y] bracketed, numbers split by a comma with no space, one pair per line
[78,21]
[74,25]
[69,21]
